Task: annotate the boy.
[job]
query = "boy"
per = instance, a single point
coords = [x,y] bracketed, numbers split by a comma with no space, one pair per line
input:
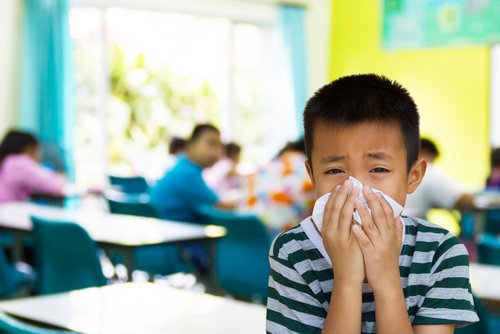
[178,195]
[437,189]
[383,280]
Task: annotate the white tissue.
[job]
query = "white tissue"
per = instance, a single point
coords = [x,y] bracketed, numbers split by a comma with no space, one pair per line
[319,206]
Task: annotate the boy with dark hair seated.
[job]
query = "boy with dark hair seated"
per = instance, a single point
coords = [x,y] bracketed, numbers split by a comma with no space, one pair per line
[356,265]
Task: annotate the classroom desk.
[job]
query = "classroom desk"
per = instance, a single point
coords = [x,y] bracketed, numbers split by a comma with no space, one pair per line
[485,283]
[113,233]
[140,308]
[487,200]
[483,202]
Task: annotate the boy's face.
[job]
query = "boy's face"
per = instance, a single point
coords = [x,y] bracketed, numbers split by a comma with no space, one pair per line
[374,153]
[206,150]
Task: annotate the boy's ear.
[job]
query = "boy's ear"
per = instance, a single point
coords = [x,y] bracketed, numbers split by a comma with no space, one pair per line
[416,175]
[309,171]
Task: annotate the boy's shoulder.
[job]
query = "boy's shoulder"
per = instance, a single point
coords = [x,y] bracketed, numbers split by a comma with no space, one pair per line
[422,233]
[294,245]
[288,241]
[434,245]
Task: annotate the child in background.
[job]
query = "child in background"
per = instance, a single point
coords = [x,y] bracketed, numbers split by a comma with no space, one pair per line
[493,181]
[223,176]
[437,190]
[389,274]
[21,175]
[281,194]
[182,190]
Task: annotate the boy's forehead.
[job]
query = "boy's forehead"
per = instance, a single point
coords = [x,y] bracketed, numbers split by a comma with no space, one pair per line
[339,139]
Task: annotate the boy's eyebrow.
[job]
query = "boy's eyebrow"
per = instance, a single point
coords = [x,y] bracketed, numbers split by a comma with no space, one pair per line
[379,156]
[332,158]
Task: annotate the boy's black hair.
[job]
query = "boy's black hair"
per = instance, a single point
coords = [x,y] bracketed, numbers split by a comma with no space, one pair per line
[177,145]
[232,150]
[200,129]
[361,98]
[16,142]
[427,145]
[495,157]
[297,145]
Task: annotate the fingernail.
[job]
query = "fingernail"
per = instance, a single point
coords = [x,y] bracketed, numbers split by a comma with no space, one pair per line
[337,187]
[368,189]
[348,183]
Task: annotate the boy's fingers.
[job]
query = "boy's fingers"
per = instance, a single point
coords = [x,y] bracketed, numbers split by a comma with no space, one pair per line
[369,228]
[377,212]
[363,241]
[389,213]
[345,217]
[399,229]
[329,221]
[338,202]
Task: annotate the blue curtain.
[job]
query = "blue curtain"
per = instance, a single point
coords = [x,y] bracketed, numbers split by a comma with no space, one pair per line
[292,20]
[47,107]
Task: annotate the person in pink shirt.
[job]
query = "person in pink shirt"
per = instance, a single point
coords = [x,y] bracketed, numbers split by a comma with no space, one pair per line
[21,175]
[223,176]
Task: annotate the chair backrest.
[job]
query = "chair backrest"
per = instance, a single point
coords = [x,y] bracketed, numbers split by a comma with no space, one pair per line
[488,249]
[10,325]
[242,263]
[492,222]
[129,185]
[66,257]
[130,204]
[7,280]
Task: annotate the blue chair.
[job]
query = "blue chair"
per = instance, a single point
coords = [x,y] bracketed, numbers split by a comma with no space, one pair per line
[488,249]
[130,204]
[467,225]
[155,260]
[492,222]
[242,265]
[10,325]
[129,185]
[12,280]
[65,256]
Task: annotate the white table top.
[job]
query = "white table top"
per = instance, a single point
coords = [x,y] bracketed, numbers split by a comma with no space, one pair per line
[485,281]
[108,228]
[488,200]
[141,308]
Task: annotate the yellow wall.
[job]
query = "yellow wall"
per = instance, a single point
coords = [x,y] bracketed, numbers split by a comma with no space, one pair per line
[450,86]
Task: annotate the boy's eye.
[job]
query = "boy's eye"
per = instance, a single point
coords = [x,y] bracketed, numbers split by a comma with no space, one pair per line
[379,170]
[334,171]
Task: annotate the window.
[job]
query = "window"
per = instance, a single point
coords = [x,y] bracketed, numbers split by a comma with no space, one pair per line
[145,76]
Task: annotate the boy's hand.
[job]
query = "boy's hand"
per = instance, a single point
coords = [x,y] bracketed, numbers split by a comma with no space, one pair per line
[380,240]
[338,238]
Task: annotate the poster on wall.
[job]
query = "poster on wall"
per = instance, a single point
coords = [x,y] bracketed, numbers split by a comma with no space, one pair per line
[414,24]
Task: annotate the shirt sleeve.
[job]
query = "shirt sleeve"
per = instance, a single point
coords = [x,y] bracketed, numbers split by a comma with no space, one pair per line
[449,298]
[35,178]
[291,304]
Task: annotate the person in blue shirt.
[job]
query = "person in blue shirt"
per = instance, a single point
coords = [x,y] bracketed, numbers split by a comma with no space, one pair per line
[179,194]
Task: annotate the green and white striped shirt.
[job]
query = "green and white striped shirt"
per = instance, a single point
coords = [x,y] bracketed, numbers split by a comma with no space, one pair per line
[434,269]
